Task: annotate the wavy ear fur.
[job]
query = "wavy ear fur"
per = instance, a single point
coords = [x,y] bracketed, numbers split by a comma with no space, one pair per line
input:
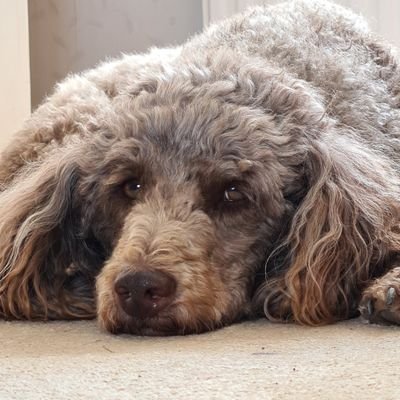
[343,233]
[39,225]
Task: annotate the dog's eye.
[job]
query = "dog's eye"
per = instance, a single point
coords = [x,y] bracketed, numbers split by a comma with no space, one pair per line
[232,194]
[132,188]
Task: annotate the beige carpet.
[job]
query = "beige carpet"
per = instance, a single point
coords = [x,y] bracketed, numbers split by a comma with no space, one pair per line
[254,360]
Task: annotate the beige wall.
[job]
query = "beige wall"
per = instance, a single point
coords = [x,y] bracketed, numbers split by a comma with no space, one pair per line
[14,67]
[72,35]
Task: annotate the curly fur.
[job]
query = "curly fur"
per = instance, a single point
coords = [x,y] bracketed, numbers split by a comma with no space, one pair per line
[296,105]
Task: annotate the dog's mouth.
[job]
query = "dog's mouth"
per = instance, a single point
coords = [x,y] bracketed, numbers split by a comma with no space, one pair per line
[163,326]
[157,326]
[166,324]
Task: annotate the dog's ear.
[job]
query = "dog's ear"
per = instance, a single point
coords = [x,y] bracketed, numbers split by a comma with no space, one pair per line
[346,223]
[38,217]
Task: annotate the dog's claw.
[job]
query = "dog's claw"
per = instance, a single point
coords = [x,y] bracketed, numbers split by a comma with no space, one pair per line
[391,294]
[370,307]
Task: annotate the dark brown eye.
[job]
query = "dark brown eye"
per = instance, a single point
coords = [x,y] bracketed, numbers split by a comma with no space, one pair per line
[232,194]
[132,188]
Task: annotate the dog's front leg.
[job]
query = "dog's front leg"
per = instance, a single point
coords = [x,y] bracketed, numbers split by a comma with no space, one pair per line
[381,299]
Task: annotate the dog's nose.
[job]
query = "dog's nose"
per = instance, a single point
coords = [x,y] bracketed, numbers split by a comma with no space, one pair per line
[144,294]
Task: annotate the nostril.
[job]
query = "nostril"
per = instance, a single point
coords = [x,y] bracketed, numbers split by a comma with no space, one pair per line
[122,290]
[151,294]
[145,293]
[163,288]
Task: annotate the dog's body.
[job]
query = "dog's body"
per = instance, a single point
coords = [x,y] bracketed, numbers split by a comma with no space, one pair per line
[252,170]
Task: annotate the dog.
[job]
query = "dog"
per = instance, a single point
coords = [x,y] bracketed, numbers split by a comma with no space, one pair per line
[253,171]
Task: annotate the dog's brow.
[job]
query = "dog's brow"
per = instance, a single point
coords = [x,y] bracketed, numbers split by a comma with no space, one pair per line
[233,168]
[245,165]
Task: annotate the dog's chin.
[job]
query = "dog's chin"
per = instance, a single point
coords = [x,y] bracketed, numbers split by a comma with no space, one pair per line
[160,326]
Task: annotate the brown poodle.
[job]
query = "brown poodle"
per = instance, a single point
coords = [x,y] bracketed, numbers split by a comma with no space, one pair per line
[252,171]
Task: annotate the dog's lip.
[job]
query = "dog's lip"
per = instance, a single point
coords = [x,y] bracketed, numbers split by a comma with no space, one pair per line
[157,332]
[156,326]
[162,326]
[147,330]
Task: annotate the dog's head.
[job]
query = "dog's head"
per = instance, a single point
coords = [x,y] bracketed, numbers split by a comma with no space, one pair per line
[193,195]
[195,215]
[196,177]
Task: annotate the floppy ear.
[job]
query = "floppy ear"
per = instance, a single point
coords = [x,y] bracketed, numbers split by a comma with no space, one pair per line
[341,234]
[38,217]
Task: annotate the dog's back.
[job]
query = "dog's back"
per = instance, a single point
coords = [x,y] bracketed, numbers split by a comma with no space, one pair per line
[331,49]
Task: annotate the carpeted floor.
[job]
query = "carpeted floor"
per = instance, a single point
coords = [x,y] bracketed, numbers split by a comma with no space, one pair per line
[254,360]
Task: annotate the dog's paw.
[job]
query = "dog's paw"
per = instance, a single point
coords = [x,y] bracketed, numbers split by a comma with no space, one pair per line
[380,303]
